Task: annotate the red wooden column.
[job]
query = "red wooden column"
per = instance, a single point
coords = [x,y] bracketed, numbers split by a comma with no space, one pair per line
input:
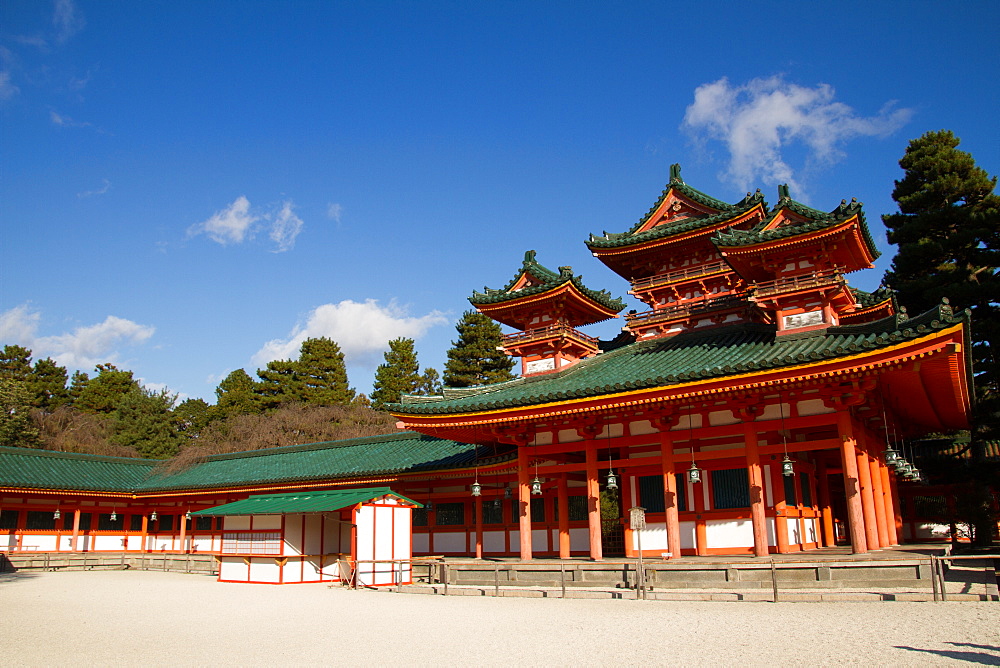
[183,519]
[877,492]
[524,502]
[867,494]
[757,515]
[76,530]
[669,467]
[593,502]
[897,507]
[825,510]
[890,510]
[855,515]
[780,504]
[477,508]
[562,497]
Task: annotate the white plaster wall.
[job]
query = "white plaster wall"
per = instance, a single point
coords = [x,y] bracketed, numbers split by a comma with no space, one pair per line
[383,532]
[769,527]
[293,534]
[266,522]
[365,532]
[292,572]
[198,544]
[539,540]
[236,523]
[579,540]
[813,407]
[450,542]
[108,543]
[233,569]
[688,535]
[812,530]
[729,533]
[794,533]
[135,543]
[654,537]
[264,570]
[313,543]
[493,541]
[401,528]
[420,543]
[41,542]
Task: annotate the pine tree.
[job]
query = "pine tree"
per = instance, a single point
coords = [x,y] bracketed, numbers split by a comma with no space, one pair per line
[474,358]
[77,384]
[103,392]
[321,371]
[278,384]
[47,385]
[15,362]
[400,374]
[948,233]
[236,395]
[143,420]
[16,426]
[430,383]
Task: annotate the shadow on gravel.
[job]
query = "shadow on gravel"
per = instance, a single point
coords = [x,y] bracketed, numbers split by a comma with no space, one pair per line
[982,658]
[12,578]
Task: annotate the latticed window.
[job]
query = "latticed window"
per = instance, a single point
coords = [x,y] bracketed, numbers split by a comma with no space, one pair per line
[537,510]
[577,508]
[419,517]
[807,497]
[930,507]
[790,498]
[251,543]
[104,522]
[165,523]
[492,511]
[40,520]
[8,519]
[68,521]
[449,514]
[135,523]
[203,524]
[730,489]
[651,493]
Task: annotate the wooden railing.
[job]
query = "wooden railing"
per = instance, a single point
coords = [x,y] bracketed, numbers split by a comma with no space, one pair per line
[815,279]
[542,333]
[641,284]
[685,309]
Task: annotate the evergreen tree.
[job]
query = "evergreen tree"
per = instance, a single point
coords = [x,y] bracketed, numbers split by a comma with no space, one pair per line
[47,385]
[948,232]
[400,374]
[237,395]
[16,426]
[320,370]
[77,384]
[191,416]
[429,383]
[279,384]
[15,362]
[103,392]
[474,358]
[143,420]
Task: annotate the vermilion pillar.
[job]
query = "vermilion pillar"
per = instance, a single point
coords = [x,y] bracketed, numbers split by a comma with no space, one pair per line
[879,496]
[757,516]
[890,510]
[478,509]
[183,519]
[524,505]
[825,510]
[780,506]
[562,496]
[594,503]
[670,495]
[867,499]
[76,530]
[848,455]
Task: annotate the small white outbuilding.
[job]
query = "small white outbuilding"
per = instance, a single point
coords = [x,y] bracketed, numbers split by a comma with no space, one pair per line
[363,535]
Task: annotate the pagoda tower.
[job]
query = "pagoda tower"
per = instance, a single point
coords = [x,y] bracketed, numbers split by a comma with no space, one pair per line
[546,307]
[674,267]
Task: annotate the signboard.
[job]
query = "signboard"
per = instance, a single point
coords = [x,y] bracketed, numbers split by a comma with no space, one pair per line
[637,518]
[535,366]
[803,320]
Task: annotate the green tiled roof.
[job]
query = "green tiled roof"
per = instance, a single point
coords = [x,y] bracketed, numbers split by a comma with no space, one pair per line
[549,280]
[714,353]
[815,220]
[301,502]
[867,299]
[377,455]
[44,469]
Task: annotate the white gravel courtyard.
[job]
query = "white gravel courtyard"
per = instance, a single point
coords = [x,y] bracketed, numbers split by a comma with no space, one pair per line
[133,618]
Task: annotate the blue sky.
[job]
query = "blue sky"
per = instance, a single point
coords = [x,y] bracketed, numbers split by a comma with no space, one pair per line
[189,188]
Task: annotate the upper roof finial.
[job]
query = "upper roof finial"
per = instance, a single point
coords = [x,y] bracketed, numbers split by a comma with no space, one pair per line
[529,256]
[675,173]
[783,192]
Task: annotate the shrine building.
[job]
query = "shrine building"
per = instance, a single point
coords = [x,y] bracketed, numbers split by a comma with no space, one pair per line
[759,404]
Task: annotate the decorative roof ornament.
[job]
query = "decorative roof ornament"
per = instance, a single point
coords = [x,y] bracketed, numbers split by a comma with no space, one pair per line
[675,173]
[783,193]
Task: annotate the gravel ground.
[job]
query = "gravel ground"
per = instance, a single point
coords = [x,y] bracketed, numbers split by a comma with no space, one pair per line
[130,618]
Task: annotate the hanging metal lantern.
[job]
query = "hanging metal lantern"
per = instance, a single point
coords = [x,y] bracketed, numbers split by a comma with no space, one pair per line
[496,502]
[429,506]
[152,516]
[507,493]
[536,486]
[694,473]
[891,456]
[187,515]
[902,467]
[787,467]
[477,489]
[114,516]
[612,480]
[915,475]
[56,515]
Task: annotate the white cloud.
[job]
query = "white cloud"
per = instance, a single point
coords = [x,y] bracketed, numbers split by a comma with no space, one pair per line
[67,20]
[334,211]
[240,222]
[285,226]
[230,226]
[105,187]
[361,329]
[7,88]
[759,119]
[83,348]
